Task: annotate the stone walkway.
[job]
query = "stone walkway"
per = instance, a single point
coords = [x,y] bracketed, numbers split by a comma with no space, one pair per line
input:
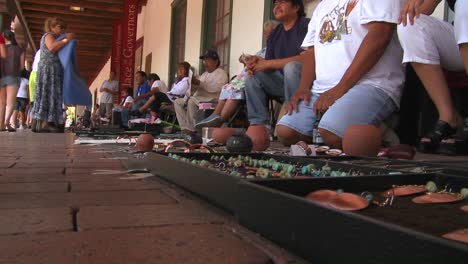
[59,205]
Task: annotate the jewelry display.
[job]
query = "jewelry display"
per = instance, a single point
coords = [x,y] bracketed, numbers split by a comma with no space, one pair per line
[249,168]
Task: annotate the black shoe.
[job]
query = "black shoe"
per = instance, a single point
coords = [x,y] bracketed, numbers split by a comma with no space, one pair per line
[431,141]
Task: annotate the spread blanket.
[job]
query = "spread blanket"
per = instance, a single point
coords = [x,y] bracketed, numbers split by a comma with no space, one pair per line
[75,90]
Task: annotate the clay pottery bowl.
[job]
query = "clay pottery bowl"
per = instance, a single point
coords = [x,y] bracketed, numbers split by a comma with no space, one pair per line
[221,134]
[459,235]
[145,143]
[239,144]
[321,196]
[442,197]
[404,190]
[362,140]
[259,136]
[348,202]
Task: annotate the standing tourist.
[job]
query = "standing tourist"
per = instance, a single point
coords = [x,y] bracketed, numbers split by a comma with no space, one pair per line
[48,95]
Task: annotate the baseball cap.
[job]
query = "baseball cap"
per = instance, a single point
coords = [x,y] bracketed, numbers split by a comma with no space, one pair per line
[210,54]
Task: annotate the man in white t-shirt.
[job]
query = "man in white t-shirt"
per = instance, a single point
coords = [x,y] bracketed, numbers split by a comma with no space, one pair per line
[206,89]
[108,89]
[352,70]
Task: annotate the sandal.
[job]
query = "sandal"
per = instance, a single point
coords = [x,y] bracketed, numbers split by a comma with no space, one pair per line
[9,128]
[442,130]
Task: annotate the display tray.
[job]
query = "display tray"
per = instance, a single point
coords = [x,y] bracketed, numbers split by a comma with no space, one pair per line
[402,233]
[110,132]
[219,186]
[459,168]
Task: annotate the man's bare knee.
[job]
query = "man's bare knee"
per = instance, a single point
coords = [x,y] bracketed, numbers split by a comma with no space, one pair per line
[331,139]
[288,136]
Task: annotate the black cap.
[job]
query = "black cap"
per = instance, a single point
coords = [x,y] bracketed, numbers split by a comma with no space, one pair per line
[210,54]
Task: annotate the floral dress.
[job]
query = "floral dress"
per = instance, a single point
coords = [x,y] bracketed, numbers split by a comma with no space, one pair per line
[48,94]
[234,90]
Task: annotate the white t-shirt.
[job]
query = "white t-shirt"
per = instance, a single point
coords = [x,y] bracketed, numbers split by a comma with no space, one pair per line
[211,84]
[336,44]
[37,58]
[23,88]
[108,98]
[128,99]
[160,85]
[181,87]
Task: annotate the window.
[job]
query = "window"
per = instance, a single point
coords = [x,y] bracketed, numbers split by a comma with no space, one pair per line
[218,28]
[179,14]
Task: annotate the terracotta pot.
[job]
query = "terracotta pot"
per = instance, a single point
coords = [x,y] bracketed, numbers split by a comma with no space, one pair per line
[259,136]
[221,134]
[145,142]
[362,140]
[239,144]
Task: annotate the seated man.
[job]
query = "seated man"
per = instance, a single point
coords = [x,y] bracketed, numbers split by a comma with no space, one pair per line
[352,71]
[142,95]
[430,45]
[232,93]
[178,90]
[143,92]
[278,74]
[204,89]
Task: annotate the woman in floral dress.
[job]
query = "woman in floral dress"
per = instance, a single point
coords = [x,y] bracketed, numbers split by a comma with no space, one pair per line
[48,96]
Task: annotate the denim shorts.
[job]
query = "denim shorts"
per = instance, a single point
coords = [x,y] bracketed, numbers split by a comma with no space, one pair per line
[10,81]
[21,104]
[363,104]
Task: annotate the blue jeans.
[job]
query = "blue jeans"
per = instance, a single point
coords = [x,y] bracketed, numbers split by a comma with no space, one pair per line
[263,85]
[363,104]
[126,113]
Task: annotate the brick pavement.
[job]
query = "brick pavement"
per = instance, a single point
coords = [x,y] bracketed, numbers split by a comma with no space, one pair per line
[57,206]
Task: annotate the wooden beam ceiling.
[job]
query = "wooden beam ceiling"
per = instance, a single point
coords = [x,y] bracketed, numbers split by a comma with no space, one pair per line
[93,27]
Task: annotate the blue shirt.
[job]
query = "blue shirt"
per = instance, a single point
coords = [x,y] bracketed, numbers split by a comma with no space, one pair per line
[143,88]
[284,44]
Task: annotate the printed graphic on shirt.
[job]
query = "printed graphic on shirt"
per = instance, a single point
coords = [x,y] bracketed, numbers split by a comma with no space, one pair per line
[335,23]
